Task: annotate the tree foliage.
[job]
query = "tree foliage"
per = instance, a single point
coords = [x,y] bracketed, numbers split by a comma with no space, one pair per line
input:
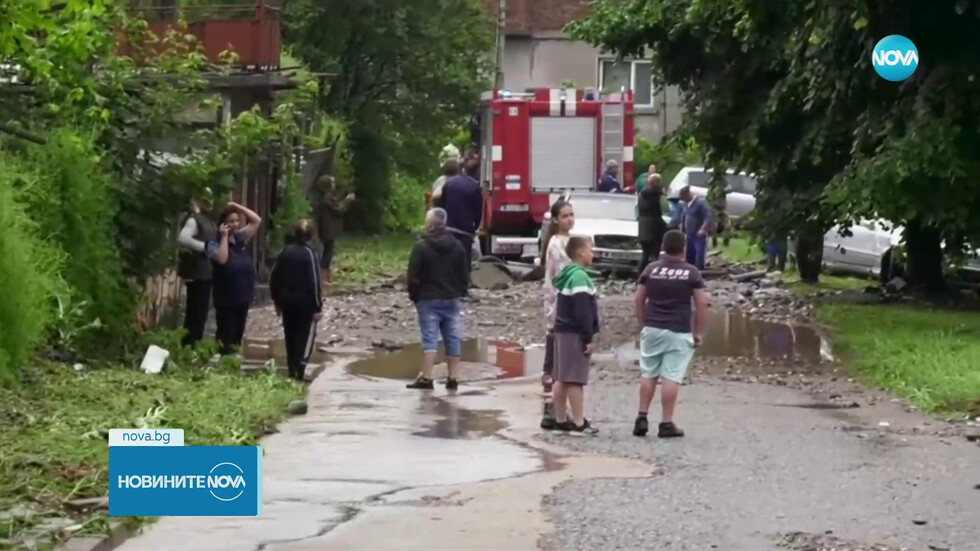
[787,90]
[404,74]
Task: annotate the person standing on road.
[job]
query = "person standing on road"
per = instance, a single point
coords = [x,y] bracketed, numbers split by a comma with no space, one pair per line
[438,277]
[295,287]
[195,269]
[651,219]
[330,210]
[234,274]
[576,324]
[697,225]
[609,182]
[462,199]
[662,304]
[553,260]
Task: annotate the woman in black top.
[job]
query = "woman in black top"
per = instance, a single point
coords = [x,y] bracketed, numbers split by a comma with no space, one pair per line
[651,223]
[234,274]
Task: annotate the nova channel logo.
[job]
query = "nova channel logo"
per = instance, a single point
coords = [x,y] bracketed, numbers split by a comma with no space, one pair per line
[185,481]
[895,58]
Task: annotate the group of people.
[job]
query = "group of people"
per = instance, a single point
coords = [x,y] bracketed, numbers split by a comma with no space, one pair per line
[663,308]
[669,284]
[216,264]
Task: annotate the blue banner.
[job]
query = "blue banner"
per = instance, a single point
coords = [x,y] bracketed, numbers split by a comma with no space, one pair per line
[185,481]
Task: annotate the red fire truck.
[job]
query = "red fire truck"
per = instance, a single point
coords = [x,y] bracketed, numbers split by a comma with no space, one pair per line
[538,145]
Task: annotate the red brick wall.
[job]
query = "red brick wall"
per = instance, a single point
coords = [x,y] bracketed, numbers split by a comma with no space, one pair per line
[529,16]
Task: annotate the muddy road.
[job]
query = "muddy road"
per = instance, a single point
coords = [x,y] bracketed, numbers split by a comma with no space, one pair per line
[784,450]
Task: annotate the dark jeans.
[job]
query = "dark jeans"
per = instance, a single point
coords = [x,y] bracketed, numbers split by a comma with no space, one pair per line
[196,311]
[697,250]
[776,254]
[299,328]
[231,326]
[467,242]
[651,252]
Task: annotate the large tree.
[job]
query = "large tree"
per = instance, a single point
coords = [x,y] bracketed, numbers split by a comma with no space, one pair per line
[787,90]
[403,75]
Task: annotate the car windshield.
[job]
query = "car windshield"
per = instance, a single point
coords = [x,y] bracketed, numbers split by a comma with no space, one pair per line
[610,207]
[737,183]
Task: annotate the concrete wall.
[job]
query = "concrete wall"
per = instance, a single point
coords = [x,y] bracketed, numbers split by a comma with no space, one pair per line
[546,60]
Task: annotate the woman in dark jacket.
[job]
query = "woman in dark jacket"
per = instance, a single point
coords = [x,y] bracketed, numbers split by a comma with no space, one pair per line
[295,287]
[651,223]
[234,274]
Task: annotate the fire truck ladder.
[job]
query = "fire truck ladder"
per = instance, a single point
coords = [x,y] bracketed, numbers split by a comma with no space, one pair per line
[613,125]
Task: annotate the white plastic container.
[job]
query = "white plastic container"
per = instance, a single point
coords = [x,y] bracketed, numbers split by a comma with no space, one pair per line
[154,359]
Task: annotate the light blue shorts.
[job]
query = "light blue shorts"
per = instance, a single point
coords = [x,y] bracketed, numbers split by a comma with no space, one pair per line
[665,354]
[440,318]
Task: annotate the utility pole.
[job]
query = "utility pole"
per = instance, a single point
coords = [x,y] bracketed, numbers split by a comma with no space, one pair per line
[498,81]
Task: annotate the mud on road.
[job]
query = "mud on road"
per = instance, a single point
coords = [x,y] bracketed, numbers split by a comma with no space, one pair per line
[784,449]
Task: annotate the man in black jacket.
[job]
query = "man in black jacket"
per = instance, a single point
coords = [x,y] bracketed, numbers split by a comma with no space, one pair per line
[438,276]
[295,287]
[651,223]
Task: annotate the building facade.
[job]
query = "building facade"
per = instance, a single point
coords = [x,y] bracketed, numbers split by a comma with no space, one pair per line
[538,54]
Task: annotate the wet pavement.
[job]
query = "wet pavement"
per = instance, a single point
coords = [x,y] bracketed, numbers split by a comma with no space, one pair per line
[369,447]
[810,461]
[732,334]
[760,462]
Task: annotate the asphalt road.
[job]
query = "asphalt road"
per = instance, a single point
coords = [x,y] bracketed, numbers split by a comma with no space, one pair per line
[762,462]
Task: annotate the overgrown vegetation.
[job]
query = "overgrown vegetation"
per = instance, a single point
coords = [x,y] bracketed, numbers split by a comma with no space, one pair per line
[929,356]
[54,428]
[29,277]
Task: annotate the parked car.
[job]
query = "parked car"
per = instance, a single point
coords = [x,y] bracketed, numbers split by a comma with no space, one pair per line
[864,251]
[871,247]
[740,188]
[609,220]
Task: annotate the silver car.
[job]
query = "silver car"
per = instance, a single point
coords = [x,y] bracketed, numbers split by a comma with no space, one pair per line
[741,188]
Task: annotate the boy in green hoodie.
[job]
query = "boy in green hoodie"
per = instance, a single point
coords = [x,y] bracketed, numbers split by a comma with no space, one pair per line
[576,323]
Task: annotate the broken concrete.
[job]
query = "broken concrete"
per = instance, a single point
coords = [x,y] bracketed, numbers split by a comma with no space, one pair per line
[491,276]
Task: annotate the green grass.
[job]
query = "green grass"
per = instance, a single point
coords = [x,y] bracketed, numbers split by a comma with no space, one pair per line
[930,356]
[827,282]
[54,429]
[364,259]
[741,250]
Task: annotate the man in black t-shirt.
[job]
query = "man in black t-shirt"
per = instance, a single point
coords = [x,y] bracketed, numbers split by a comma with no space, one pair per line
[663,308]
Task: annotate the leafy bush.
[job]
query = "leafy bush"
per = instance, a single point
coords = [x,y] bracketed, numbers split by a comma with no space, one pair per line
[406,204]
[293,208]
[72,199]
[28,275]
[670,156]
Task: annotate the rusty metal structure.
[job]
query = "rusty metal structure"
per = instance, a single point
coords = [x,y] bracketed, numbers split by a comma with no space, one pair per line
[249,28]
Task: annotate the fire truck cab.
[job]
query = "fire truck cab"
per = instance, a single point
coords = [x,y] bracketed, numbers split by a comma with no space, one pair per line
[539,145]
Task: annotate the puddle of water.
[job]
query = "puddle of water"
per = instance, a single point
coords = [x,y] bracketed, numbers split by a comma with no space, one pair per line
[456,422]
[406,363]
[732,334]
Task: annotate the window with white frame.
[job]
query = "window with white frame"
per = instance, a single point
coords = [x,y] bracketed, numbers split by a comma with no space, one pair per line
[635,75]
